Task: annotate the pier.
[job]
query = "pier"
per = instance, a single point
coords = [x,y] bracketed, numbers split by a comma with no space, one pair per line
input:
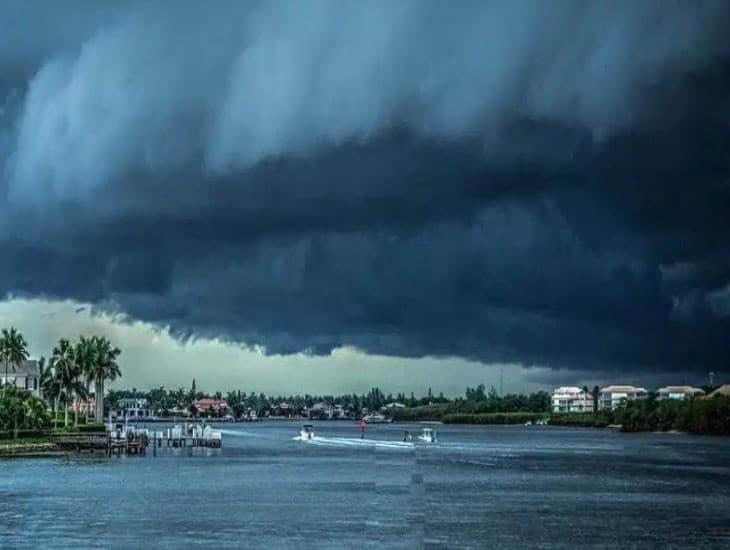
[187,435]
[131,440]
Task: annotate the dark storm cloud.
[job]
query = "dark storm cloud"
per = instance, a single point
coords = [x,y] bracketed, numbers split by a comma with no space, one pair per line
[544,183]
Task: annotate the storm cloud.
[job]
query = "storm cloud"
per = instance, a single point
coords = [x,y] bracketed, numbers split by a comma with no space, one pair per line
[529,182]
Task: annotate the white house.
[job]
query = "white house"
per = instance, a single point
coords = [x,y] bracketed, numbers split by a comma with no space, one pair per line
[571,399]
[132,408]
[679,392]
[25,376]
[612,396]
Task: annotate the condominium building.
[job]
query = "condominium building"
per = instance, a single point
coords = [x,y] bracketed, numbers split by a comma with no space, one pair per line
[571,399]
[679,392]
[612,396]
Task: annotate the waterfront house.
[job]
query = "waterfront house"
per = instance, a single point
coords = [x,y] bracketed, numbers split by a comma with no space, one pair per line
[571,399]
[679,392]
[282,409]
[209,406]
[25,376]
[612,396]
[133,408]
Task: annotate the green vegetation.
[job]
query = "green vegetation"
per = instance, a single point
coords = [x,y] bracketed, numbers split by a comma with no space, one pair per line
[19,410]
[698,415]
[479,408]
[493,418]
[66,379]
[73,368]
[13,350]
[97,360]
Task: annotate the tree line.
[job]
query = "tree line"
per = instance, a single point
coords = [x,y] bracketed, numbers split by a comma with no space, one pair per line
[163,400]
[696,415]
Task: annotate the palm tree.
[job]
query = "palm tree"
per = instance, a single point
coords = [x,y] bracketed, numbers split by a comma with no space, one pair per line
[45,374]
[65,372]
[103,367]
[85,356]
[13,350]
[52,389]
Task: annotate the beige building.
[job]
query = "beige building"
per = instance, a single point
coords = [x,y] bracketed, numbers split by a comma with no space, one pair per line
[679,392]
[612,396]
[25,376]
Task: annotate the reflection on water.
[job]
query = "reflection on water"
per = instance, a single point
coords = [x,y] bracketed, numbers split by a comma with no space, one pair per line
[505,487]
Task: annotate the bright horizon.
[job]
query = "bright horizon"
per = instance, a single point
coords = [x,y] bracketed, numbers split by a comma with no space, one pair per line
[152,357]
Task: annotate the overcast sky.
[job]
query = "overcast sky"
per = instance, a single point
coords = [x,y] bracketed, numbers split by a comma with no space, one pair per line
[363,192]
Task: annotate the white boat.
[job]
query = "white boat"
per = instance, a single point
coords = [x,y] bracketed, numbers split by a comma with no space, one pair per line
[375,418]
[427,435]
[307,432]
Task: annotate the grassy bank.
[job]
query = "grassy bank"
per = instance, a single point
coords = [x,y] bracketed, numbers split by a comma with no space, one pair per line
[41,442]
[28,446]
[465,412]
[589,420]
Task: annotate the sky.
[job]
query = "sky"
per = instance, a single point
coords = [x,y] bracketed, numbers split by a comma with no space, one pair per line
[351,194]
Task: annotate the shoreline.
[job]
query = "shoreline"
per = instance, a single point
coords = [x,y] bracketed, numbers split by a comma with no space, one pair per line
[31,450]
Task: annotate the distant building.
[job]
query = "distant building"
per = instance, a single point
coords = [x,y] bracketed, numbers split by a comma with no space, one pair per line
[722,390]
[571,399]
[679,392]
[84,406]
[319,410]
[132,407]
[25,376]
[214,406]
[612,396]
[338,411]
[395,405]
[283,409]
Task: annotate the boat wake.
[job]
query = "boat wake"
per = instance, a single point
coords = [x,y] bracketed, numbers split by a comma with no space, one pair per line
[353,442]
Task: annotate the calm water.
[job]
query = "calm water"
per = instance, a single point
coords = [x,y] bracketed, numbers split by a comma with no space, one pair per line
[499,487]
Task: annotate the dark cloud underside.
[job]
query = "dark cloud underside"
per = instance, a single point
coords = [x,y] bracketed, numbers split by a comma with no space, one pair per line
[545,183]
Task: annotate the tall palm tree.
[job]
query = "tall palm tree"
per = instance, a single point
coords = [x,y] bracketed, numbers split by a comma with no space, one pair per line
[85,358]
[45,374]
[64,361]
[104,367]
[51,387]
[13,350]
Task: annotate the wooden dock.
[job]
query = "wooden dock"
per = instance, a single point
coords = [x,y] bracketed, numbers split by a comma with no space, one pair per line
[133,441]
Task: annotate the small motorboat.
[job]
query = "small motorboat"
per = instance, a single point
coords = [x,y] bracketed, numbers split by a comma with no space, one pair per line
[427,435]
[307,432]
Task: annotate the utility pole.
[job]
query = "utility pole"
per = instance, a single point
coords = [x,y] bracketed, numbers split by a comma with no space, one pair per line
[501,382]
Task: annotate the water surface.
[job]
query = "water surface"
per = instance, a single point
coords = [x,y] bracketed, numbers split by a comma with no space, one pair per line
[499,487]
